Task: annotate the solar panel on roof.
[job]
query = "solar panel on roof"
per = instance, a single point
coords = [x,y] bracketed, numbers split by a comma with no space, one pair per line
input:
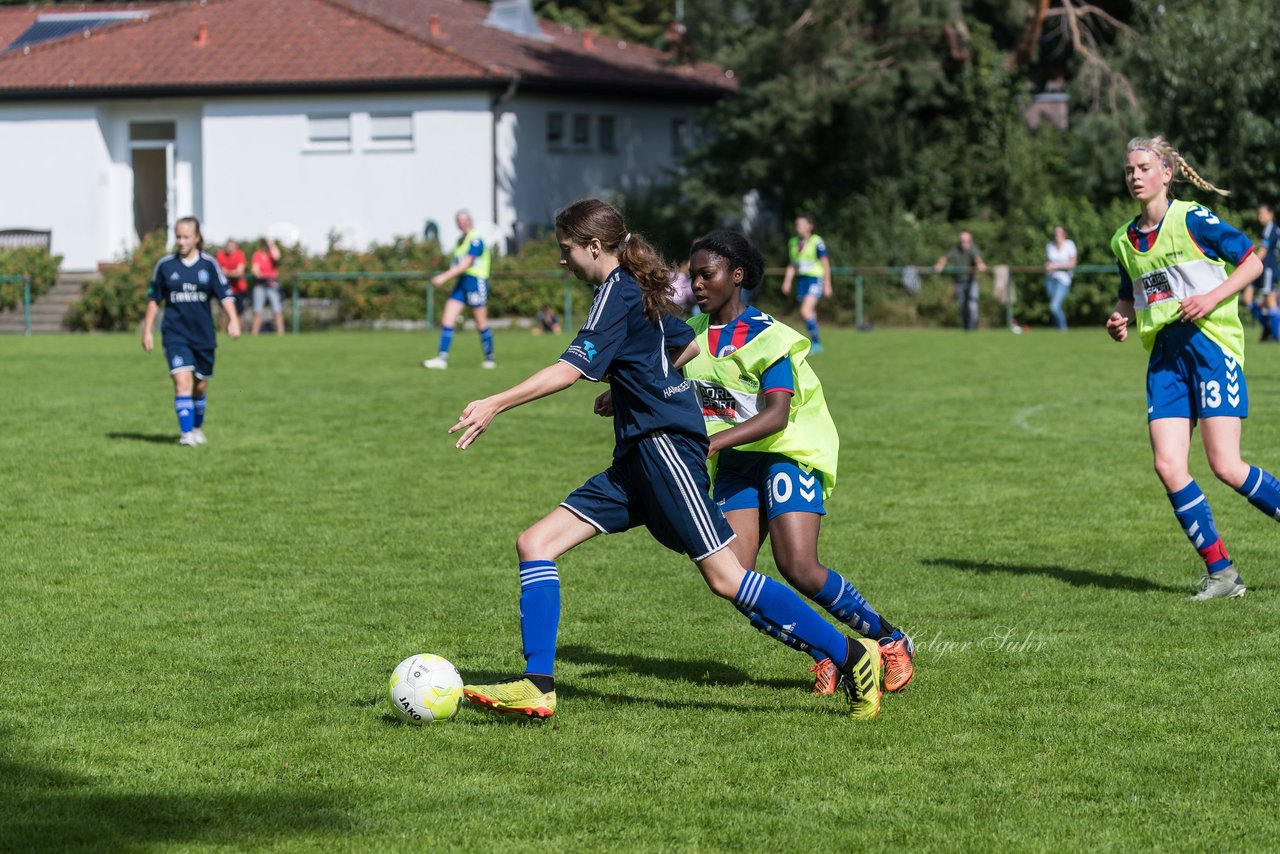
[50,27]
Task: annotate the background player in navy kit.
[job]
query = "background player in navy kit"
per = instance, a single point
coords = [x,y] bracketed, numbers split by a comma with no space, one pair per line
[183,283]
[659,476]
[1260,294]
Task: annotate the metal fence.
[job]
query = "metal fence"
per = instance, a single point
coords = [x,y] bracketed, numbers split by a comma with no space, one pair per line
[26,298]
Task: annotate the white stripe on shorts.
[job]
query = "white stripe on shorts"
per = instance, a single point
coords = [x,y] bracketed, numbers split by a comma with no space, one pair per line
[693,499]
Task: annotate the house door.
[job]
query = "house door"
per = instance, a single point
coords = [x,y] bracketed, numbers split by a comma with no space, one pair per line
[152,155]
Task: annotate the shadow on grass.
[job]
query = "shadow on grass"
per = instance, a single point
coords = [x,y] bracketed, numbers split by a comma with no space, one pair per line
[154,438]
[51,810]
[676,669]
[1075,577]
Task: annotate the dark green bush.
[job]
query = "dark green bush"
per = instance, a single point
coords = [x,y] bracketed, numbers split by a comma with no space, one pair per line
[36,263]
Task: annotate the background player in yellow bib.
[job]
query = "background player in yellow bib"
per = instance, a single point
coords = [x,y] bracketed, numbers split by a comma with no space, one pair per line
[810,268]
[471,259]
[1178,285]
[774,445]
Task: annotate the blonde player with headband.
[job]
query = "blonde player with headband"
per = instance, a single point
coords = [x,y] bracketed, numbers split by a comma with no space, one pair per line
[1181,268]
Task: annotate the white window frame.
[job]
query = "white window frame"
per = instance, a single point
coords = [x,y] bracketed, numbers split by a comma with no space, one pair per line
[391,141]
[328,142]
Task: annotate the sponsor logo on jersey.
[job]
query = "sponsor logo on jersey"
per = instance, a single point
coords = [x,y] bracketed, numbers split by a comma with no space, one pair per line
[717,402]
[673,390]
[1156,287]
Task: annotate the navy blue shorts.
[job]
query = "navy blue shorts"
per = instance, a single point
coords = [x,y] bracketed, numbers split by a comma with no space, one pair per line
[474,292]
[181,356]
[1191,376]
[660,483]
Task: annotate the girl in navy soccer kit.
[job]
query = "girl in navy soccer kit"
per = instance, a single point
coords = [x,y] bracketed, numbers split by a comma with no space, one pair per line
[183,283]
[658,477]
[1178,287]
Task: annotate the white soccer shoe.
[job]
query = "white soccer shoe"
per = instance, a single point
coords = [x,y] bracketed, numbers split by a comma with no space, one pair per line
[199,436]
[436,364]
[188,440]
[489,364]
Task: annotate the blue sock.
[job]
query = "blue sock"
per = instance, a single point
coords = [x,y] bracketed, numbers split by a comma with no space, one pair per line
[782,608]
[1263,491]
[1256,311]
[843,601]
[539,614]
[1196,519]
[1275,324]
[201,404]
[186,413]
[812,326]
[446,340]
[486,341]
[764,627]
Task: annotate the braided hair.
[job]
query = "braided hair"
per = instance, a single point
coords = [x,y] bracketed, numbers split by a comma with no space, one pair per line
[1171,157]
[738,251]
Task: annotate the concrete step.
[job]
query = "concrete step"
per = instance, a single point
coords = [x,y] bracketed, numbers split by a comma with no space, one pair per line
[49,310]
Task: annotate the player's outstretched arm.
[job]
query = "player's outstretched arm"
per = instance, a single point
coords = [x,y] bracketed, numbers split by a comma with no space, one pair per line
[477,415]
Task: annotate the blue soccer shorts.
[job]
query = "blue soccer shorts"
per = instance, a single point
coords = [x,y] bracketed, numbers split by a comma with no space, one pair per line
[661,483]
[181,356]
[747,480]
[474,292]
[1191,376]
[808,287]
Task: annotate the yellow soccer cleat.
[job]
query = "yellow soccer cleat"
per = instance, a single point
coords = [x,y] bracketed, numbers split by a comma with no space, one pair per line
[515,696]
[862,678]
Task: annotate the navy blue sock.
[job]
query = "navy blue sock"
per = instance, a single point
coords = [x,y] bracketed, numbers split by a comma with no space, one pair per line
[812,326]
[1263,491]
[186,413]
[539,614]
[446,340]
[781,607]
[1256,311]
[1196,519]
[201,404]
[1275,324]
[486,341]
[843,601]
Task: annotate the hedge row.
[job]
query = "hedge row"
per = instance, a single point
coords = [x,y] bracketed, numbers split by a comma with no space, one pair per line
[34,262]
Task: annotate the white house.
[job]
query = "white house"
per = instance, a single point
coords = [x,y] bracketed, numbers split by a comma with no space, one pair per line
[306,119]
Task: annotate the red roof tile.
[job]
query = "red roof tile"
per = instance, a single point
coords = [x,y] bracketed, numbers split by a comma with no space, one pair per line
[265,44]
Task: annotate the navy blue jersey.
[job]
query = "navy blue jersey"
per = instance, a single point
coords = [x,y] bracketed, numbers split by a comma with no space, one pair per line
[620,343]
[1271,243]
[183,290]
[1215,238]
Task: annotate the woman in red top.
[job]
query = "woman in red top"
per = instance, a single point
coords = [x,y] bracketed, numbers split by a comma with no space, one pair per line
[266,287]
[231,260]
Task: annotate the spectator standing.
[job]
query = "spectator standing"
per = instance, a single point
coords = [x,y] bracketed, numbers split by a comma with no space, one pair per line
[1060,261]
[966,259]
[231,259]
[266,286]
[810,268]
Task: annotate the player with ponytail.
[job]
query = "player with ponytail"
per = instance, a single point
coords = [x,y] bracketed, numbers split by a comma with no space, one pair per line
[1181,268]
[659,473]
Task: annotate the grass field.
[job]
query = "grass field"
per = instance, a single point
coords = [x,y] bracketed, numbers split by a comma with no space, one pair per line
[195,643]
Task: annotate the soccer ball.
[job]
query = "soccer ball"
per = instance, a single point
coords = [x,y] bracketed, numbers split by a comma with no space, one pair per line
[425,689]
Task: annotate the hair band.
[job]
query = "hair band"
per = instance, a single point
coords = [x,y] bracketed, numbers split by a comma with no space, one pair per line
[627,239]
